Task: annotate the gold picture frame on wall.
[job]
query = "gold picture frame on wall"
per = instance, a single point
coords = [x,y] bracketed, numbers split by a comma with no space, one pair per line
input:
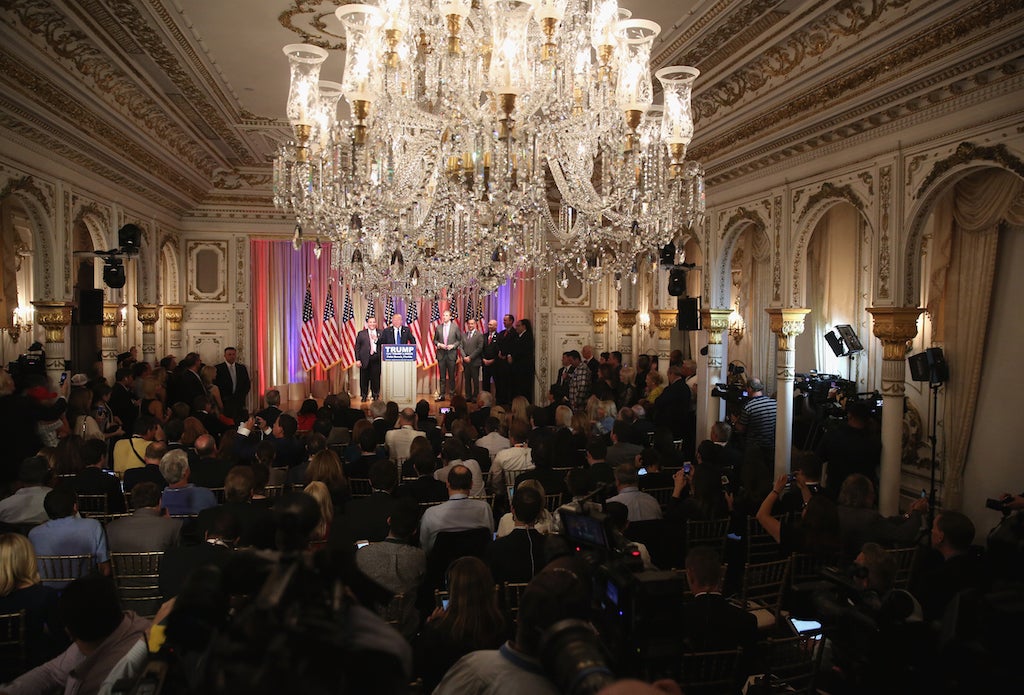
[207,271]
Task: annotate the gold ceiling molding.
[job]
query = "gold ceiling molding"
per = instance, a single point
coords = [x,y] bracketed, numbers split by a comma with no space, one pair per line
[705,19]
[306,18]
[127,12]
[845,20]
[88,64]
[26,184]
[966,153]
[750,20]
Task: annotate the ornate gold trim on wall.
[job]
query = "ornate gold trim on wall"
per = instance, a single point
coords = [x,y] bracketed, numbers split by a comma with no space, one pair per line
[895,327]
[219,293]
[148,315]
[600,319]
[664,321]
[173,314]
[54,317]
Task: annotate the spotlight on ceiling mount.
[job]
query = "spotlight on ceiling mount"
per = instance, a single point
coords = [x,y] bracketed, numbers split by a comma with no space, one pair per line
[113,273]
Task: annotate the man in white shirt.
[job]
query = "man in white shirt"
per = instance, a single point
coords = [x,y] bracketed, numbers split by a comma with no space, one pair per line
[459,513]
[641,506]
[453,454]
[493,441]
[514,460]
[400,440]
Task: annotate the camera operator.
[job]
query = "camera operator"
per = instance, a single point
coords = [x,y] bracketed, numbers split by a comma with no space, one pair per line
[951,567]
[757,421]
[851,448]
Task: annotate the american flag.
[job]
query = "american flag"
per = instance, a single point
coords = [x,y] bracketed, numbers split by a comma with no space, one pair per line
[331,347]
[453,306]
[412,316]
[470,308]
[348,333]
[307,343]
[371,311]
[429,350]
[389,311]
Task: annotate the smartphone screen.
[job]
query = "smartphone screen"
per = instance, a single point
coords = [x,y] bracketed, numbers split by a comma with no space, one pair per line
[642,471]
[687,468]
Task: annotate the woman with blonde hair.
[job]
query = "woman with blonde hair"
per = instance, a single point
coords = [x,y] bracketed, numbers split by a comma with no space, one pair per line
[318,491]
[151,403]
[208,374]
[21,589]
[655,385]
[520,409]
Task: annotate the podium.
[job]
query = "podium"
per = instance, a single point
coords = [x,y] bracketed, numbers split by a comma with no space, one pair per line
[398,374]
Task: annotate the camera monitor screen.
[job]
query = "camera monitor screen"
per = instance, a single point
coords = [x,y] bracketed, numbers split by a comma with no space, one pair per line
[584,529]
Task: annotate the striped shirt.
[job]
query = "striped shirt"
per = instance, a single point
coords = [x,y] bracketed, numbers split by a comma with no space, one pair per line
[758,419]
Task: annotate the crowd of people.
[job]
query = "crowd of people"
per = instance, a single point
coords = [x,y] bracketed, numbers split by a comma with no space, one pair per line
[430,521]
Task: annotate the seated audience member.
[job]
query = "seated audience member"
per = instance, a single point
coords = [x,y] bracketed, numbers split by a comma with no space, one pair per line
[556,594]
[255,523]
[453,454]
[209,471]
[366,518]
[650,460]
[697,495]
[624,447]
[806,470]
[66,533]
[464,432]
[368,455]
[950,567]
[148,529]
[546,521]
[619,515]
[709,622]
[131,453]
[343,414]
[270,414]
[22,590]
[150,473]
[181,434]
[296,475]
[306,415]
[398,440]
[493,441]
[290,450]
[319,492]
[641,506]
[551,480]
[514,460]
[260,481]
[425,488]
[325,466]
[471,621]
[428,425]
[815,533]
[597,467]
[95,480]
[860,522]
[578,482]
[25,506]
[721,435]
[459,513]
[518,556]
[379,419]
[217,549]
[101,635]
[396,564]
[181,497]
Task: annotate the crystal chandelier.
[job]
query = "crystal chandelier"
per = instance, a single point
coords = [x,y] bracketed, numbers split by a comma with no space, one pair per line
[488,137]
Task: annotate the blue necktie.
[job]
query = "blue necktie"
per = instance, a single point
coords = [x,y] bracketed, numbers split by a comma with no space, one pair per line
[398,336]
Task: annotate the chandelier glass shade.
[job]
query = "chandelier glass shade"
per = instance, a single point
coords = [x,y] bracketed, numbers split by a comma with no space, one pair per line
[485,138]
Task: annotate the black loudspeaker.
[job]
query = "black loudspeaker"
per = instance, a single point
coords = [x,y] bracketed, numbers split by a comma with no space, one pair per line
[90,307]
[676,282]
[929,366]
[688,314]
[667,255]
[835,343]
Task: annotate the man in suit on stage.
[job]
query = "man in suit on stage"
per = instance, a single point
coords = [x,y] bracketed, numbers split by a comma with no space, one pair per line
[368,356]
[233,381]
[472,351]
[447,339]
[397,334]
[502,372]
[490,354]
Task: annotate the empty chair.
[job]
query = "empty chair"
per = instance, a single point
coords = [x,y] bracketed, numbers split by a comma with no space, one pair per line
[553,502]
[274,491]
[136,576]
[794,660]
[707,533]
[761,590]
[218,492]
[60,570]
[13,648]
[711,673]
[662,494]
[906,562]
[512,592]
[761,547]
[360,487]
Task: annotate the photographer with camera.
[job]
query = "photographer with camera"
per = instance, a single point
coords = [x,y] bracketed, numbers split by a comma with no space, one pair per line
[854,447]
[757,421]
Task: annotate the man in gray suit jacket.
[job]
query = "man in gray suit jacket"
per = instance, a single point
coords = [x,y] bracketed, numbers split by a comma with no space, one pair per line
[447,339]
[472,353]
[146,530]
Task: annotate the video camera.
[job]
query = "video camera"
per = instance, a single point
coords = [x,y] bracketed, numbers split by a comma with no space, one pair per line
[999,505]
[731,393]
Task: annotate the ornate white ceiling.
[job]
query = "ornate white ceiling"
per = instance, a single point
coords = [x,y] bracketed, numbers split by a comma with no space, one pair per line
[182,101]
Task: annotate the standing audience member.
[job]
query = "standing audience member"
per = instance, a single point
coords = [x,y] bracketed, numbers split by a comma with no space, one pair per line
[232,378]
[852,448]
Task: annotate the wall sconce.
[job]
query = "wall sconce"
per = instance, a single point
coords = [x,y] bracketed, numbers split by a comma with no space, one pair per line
[736,326]
[21,320]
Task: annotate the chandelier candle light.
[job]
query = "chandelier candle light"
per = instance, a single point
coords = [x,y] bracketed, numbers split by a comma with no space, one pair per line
[487,138]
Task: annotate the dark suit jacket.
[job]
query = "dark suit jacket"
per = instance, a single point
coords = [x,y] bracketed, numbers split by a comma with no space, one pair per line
[517,557]
[479,419]
[672,408]
[150,473]
[552,481]
[367,517]
[269,414]
[211,422]
[178,563]
[387,336]
[424,489]
[223,382]
[210,472]
[347,417]
[290,451]
[124,406]
[93,481]
[363,347]
[473,347]
[190,386]
[710,623]
[255,522]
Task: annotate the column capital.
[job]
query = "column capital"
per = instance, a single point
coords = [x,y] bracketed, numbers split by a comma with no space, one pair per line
[627,319]
[111,319]
[173,314]
[665,321]
[148,315]
[54,317]
[786,323]
[715,322]
[895,327]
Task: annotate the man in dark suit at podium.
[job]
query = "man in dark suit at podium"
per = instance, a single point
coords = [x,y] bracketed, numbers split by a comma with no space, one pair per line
[233,381]
[368,355]
[397,334]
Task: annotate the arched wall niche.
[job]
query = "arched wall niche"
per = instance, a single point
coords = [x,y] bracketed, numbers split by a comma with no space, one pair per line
[965,160]
[721,271]
[168,287]
[37,208]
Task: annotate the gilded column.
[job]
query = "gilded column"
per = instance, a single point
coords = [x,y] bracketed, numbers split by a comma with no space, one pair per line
[173,314]
[709,410]
[786,324]
[109,345]
[54,317]
[895,327]
[148,315]
[665,321]
[600,318]
[627,319]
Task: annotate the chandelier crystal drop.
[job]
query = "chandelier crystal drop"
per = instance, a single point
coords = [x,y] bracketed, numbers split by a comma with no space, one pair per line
[485,138]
